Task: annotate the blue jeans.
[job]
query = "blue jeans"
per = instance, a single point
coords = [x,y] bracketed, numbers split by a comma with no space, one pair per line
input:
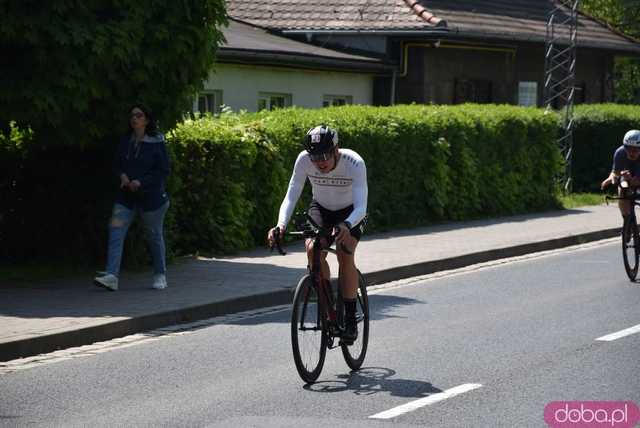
[121,219]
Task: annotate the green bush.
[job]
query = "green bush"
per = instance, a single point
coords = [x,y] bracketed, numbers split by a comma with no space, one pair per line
[598,132]
[77,66]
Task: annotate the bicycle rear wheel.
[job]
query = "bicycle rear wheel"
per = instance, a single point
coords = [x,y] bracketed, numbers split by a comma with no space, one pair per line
[630,246]
[354,354]
[308,339]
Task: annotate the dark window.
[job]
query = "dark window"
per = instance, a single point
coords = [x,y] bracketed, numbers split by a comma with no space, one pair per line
[210,102]
[472,91]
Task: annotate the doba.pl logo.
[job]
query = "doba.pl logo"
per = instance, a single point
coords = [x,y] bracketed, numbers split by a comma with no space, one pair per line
[591,414]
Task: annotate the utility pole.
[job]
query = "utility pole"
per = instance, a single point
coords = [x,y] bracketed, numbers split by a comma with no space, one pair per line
[559,74]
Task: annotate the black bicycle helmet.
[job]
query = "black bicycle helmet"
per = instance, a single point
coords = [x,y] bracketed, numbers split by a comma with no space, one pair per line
[320,142]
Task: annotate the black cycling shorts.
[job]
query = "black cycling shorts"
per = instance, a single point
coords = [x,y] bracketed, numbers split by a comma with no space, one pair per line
[327,219]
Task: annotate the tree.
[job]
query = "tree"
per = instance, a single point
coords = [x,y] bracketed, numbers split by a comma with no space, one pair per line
[623,15]
[73,67]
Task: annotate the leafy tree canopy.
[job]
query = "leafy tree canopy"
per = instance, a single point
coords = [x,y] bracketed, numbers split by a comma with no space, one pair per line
[73,67]
[623,15]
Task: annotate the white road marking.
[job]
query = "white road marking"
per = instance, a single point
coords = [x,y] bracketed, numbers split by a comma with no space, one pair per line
[621,333]
[426,401]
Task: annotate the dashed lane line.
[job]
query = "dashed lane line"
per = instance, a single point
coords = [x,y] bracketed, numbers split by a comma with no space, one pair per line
[619,334]
[426,401]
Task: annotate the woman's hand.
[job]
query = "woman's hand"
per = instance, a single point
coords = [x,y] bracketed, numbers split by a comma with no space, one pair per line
[134,185]
[124,181]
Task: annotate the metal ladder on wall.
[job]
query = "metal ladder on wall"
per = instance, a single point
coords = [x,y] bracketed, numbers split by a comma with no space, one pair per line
[559,74]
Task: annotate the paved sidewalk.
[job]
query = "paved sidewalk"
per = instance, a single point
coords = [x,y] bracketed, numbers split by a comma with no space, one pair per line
[58,314]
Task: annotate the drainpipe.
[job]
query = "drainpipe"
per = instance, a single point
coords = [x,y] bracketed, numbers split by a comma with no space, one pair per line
[393,87]
[405,53]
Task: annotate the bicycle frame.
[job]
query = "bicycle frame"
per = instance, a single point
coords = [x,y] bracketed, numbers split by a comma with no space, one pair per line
[329,321]
[314,297]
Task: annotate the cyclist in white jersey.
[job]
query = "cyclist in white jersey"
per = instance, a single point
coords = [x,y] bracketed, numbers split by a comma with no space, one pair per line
[339,185]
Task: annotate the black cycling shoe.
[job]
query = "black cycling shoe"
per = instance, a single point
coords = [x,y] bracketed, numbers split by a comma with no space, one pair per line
[350,333]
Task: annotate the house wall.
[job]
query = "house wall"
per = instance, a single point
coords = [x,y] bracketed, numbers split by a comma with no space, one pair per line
[241,84]
[446,75]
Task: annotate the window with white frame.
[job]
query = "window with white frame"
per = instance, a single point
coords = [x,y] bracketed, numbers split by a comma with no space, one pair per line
[209,102]
[271,101]
[336,100]
[528,93]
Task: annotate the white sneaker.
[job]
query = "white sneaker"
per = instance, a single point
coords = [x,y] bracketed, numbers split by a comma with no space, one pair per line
[159,281]
[108,281]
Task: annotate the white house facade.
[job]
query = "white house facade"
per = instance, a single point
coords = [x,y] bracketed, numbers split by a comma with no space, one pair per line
[257,70]
[251,88]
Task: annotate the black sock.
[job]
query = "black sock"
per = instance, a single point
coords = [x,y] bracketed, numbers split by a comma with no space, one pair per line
[350,308]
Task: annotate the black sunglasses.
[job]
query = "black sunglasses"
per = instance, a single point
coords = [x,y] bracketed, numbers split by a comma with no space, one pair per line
[321,157]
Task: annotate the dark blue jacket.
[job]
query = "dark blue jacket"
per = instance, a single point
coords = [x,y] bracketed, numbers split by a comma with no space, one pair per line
[147,162]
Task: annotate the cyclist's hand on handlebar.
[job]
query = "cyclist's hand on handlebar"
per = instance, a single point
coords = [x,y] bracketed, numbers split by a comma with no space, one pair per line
[275,233]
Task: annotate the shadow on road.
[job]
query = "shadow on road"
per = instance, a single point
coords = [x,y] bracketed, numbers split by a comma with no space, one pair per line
[374,380]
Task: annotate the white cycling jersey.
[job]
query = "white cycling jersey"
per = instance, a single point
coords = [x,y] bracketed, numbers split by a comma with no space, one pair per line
[345,185]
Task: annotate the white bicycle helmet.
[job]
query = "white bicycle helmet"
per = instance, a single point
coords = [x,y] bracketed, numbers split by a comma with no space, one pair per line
[632,138]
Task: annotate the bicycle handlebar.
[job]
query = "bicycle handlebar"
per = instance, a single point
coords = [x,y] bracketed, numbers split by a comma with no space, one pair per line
[313,232]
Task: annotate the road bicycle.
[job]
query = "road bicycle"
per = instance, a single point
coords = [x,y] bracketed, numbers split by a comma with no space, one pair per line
[318,314]
[629,234]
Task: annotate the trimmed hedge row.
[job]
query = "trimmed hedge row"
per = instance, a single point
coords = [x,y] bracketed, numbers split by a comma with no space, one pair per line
[425,164]
[598,132]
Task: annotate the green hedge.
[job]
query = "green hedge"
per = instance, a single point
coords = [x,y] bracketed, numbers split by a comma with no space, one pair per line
[598,132]
[425,164]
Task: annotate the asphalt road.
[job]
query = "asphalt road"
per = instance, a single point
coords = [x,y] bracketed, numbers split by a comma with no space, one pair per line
[513,336]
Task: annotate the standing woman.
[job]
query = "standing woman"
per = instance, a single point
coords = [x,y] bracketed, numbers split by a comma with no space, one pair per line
[142,166]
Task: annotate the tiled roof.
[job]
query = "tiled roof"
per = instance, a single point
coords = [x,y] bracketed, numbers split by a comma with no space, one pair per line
[331,14]
[478,19]
[519,20]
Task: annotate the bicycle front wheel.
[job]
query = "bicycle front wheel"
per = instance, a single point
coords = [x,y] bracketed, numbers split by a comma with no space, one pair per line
[308,340]
[354,354]
[630,246]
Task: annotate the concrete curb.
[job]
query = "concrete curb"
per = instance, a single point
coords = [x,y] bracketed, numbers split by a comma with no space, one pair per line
[84,336]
